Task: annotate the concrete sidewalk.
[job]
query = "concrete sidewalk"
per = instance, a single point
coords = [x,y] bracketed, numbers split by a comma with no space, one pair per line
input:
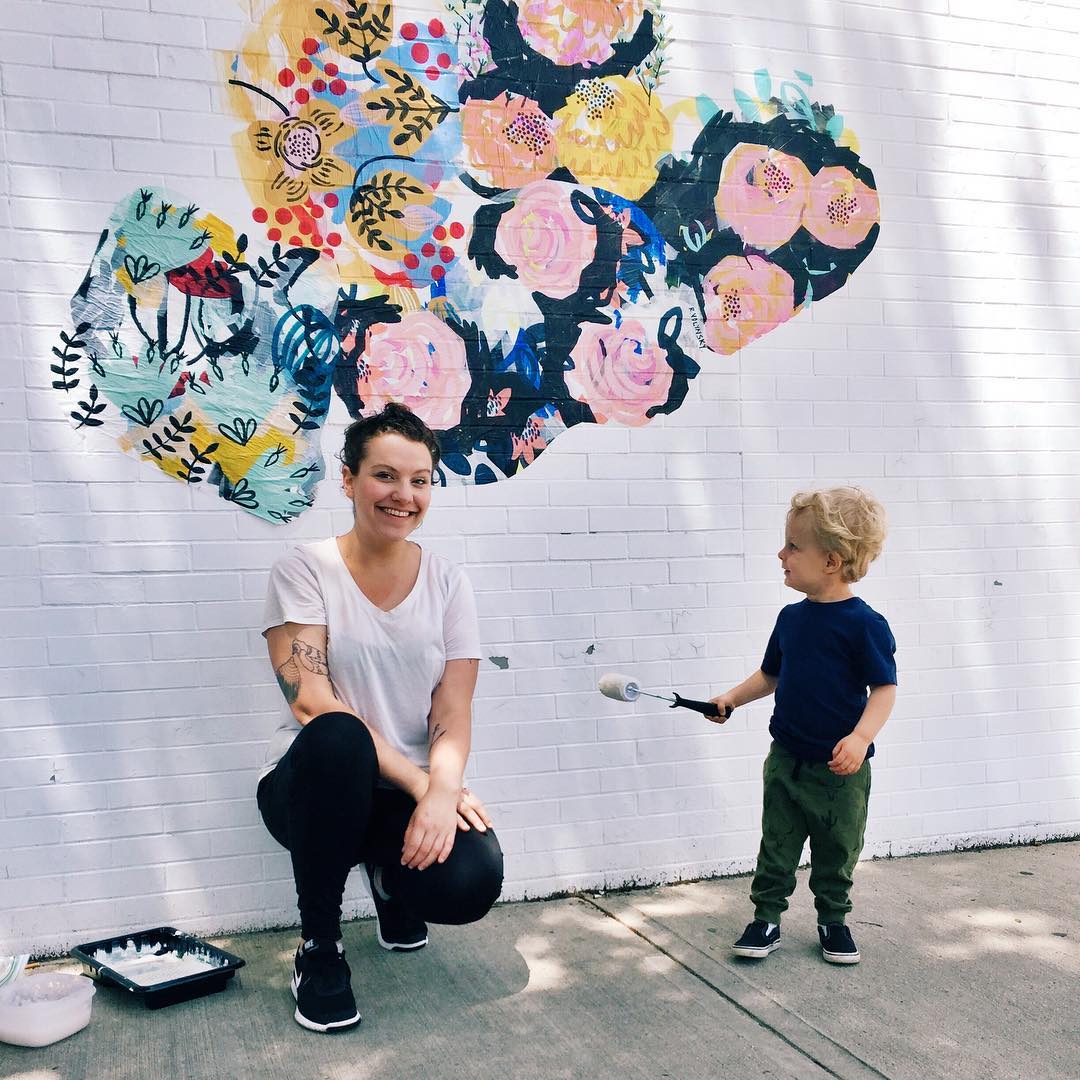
[971,968]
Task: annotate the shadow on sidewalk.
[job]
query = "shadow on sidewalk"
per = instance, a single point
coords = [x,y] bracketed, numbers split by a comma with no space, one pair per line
[970,968]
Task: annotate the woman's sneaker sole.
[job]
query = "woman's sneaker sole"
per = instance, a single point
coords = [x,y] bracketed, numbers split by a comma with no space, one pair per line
[396,946]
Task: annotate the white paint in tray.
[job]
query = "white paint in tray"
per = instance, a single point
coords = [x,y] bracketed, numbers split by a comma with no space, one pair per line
[152,964]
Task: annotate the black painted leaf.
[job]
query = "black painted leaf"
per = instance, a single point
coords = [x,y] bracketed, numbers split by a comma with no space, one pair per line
[241,430]
[241,493]
[145,412]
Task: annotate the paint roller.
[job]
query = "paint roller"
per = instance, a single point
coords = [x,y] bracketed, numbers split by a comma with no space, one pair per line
[626,688]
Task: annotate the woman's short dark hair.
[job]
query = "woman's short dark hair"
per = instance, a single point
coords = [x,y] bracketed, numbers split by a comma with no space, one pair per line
[400,420]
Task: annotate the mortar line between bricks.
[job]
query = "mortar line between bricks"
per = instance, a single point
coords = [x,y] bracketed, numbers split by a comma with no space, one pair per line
[746,1011]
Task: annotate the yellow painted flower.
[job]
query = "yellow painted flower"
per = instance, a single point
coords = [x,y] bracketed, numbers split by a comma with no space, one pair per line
[294,156]
[612,134]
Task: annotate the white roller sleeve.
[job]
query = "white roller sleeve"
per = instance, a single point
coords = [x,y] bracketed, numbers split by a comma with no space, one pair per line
[619,687]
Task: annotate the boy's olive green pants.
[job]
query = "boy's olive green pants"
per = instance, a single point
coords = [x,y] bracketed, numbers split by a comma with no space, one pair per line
[804,799]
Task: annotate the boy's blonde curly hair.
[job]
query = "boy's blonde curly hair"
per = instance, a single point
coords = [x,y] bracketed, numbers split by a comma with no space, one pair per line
[848,521]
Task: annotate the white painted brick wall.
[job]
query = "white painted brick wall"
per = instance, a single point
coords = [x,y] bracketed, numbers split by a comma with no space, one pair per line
[945,377]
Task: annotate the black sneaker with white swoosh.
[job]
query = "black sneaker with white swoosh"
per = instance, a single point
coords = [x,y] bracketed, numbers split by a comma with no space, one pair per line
[322,987]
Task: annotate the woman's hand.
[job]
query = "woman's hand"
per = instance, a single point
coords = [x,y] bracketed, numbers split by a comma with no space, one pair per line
[432,828]
[472,813]
[428,839]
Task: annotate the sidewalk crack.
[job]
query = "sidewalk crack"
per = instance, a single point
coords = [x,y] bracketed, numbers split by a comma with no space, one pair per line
[736,1003]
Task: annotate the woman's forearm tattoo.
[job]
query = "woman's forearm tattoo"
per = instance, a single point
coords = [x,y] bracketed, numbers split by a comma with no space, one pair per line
[303,656]
[436,734]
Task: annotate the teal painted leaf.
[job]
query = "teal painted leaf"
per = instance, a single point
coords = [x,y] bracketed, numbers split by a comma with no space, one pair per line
[746,106]
[763,84]
[706,107]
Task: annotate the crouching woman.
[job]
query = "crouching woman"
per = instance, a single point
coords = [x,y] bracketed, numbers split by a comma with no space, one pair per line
[375,645]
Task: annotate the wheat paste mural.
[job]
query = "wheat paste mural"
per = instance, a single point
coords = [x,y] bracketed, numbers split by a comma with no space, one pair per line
[483,214]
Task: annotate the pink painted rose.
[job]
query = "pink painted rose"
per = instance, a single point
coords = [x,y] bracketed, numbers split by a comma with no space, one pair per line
[841,209]
[578,31]
[745,298]
[762,195]
[543,238]
[618,372]
[419,362]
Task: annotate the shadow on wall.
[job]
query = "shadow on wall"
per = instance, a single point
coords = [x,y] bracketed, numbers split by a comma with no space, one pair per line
[986,355]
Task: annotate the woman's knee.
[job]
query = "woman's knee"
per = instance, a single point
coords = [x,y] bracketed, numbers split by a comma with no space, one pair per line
[336,744]
[474,878]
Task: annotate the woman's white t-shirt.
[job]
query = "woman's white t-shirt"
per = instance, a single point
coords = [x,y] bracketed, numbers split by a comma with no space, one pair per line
[384,665]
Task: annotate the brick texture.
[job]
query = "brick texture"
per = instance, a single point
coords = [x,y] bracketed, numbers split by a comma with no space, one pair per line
[137,699]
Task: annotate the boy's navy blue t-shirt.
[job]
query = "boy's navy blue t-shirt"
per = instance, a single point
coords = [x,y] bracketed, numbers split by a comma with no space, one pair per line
[825,656]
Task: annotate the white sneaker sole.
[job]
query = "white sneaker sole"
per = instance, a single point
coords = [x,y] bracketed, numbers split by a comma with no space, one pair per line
[840,957]
[752,953]
[396,946]
[303,1021]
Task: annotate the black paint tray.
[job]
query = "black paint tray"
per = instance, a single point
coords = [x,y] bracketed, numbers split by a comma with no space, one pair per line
[172,946]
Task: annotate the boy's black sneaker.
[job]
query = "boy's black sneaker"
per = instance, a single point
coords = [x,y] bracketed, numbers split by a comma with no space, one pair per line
[757,940]
[837,944]
[395,926]
[322,988]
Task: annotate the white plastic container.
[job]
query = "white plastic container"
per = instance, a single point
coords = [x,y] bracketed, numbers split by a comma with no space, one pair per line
[44,1007]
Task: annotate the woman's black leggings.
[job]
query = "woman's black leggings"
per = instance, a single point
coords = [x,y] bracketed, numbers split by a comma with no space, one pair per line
[322,802]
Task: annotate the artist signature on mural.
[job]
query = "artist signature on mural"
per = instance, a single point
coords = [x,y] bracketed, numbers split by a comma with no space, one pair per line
[699,334]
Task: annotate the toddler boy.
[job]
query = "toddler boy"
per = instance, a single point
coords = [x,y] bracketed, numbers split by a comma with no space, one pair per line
[823,654]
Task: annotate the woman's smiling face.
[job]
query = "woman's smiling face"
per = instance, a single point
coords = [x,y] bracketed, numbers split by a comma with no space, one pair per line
[391,488]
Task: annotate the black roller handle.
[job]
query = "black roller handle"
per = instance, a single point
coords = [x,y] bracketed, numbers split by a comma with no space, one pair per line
[706,708]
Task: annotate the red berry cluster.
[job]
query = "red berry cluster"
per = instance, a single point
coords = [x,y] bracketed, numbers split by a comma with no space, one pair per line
[326,76]
[437,60]
[304,223]
[445,253]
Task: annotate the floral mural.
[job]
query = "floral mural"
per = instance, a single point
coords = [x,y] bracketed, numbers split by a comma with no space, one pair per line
[483,214]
